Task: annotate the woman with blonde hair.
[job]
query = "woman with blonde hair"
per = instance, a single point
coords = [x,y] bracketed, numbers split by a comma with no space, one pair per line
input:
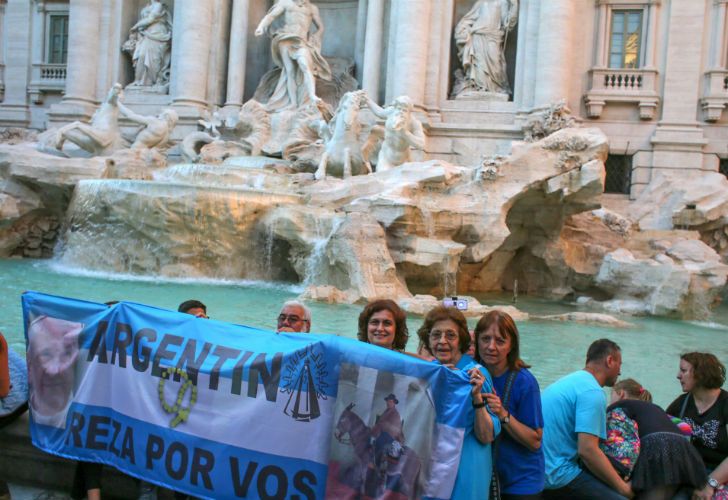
[666,461]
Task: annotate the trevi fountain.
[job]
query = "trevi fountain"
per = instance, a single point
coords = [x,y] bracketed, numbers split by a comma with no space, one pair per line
[324,185]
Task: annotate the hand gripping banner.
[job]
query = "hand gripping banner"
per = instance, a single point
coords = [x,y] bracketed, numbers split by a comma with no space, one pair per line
[218,410]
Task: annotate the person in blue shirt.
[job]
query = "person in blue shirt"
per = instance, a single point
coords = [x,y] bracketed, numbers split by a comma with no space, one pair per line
[445,335]
[516,402]
[574,414]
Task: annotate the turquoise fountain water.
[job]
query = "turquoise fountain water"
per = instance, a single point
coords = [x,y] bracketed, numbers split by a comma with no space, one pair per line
[650,349]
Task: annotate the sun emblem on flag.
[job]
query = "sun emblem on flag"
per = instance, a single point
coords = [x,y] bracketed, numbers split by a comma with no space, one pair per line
[304,381]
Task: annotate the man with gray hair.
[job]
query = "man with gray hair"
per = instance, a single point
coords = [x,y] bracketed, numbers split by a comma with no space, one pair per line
[294,317]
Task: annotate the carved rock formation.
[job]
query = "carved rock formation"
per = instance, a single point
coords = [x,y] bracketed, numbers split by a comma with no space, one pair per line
[427,228]
[676,277]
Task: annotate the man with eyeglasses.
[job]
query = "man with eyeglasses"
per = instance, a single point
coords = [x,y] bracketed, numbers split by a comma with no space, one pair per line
[294,317]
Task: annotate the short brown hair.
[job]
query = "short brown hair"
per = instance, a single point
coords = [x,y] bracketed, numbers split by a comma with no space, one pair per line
[401,333]
[507,328]
[708,371]
[441,313]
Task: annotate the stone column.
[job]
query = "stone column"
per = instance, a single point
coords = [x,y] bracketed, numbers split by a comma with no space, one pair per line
[602,28]
[83,52]
[410,52]
[527,63]
[237,54]
[720,58]
[81,94]
[14,109]
[678,142]
[683,66]
[360,42]
[373,48]
[652,15]
[555,51]
[191,38]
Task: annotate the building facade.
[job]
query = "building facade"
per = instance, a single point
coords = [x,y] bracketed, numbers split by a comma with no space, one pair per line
[652,74]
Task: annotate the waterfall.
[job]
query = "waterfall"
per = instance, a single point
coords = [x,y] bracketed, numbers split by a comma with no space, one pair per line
[449,278]
[167,228]
[316,257]
[269,238]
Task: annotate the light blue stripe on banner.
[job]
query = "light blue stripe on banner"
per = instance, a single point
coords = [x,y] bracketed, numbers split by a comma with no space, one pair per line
[199,467]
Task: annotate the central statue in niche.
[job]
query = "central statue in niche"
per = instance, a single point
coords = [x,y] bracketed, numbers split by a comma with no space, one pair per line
[481,37]
[296,49]
[149,45]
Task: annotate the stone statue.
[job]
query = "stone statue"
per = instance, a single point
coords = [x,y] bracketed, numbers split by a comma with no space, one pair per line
[402,131]
[100,137]
[543,123]
[296,50]
[156,130]
[149,44]
[345,151]
[481,37]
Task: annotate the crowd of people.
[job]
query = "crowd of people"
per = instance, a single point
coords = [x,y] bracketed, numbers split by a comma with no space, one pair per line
[519,442]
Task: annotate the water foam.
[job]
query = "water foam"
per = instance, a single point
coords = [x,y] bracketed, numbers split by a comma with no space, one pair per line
[66,269]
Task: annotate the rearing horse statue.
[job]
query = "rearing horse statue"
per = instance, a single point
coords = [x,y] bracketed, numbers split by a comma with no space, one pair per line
[345,153]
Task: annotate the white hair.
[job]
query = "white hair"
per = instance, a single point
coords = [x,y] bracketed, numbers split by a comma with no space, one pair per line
[296,303]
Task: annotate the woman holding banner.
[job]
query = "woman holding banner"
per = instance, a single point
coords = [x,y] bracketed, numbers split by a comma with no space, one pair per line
[383,323]
[445,335]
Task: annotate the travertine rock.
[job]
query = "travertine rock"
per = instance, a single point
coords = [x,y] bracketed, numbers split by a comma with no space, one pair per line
[685,280]
[356,257]
[422,304]
[587,319]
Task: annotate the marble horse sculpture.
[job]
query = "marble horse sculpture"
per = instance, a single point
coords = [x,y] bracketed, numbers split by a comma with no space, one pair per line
[100,137]
[345,153]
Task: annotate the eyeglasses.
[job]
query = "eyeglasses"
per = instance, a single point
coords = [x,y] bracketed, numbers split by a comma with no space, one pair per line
[291,318]
[449,335]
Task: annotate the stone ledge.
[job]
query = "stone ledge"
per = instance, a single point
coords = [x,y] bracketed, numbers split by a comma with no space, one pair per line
[22,463]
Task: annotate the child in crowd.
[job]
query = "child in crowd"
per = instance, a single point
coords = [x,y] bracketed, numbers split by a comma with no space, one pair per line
[666,461]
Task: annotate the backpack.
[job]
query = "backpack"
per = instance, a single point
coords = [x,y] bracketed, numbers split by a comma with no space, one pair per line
[622,445]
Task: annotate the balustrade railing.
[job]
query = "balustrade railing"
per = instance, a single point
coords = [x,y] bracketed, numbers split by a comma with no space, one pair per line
[623,85]
[52,71]
[46,78]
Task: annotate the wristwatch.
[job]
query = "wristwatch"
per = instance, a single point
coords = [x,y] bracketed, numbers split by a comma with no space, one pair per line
[507,419]
[713,483]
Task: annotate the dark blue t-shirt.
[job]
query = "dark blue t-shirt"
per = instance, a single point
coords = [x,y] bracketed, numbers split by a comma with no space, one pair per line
[520,470]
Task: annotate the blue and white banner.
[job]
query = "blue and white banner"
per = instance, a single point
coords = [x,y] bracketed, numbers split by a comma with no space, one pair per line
[218,410]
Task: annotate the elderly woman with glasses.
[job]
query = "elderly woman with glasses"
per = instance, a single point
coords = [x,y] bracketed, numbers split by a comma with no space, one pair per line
[383,323]
[294,317]
[445,335]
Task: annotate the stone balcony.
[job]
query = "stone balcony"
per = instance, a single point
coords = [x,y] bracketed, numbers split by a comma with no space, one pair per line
[46,78]
[716,94]
[637,86]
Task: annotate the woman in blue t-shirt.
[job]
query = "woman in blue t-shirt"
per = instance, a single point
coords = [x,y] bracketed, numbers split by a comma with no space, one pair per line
[519,459]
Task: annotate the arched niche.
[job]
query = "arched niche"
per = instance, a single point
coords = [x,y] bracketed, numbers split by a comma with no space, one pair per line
[130,13]
[460,9]
[344,24]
